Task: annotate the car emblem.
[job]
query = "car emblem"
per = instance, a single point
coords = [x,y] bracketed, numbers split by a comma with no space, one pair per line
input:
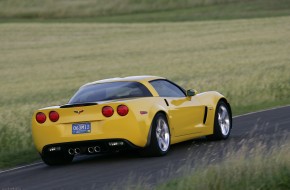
[79,112]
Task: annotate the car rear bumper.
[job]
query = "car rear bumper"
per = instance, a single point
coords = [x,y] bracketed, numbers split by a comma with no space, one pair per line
[89,147]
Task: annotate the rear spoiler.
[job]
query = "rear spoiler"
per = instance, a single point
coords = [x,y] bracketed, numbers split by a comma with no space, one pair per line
[78,105]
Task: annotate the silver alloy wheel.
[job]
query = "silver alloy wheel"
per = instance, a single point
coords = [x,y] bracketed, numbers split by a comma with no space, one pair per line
[162,134]
[224,120]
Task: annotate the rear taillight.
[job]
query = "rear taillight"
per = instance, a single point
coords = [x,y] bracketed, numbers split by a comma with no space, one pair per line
[40,117]
[122,110]
[107,111]
[53,116]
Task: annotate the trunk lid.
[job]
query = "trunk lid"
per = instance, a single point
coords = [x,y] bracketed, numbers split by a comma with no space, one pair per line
[77,113]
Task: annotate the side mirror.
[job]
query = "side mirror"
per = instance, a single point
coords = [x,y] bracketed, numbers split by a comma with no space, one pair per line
[191,92]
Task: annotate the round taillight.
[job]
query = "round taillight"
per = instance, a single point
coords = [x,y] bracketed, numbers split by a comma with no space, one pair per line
[40,117]
[107,111]
[53,116]
[122,110]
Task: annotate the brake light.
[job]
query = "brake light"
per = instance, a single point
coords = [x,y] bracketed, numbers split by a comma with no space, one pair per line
[107,111]
[53,116]
[122,110]
[40,117]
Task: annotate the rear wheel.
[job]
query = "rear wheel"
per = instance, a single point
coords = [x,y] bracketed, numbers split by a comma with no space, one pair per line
[59,158]
[222,122]
[160,137]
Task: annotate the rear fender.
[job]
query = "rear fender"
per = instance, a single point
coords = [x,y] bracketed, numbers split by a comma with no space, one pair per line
[157,108]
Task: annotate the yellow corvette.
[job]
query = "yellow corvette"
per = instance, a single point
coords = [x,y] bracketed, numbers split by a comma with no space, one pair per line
[145,112]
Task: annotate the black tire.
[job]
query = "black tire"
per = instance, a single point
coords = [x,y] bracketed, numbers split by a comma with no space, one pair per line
[222,122]
[159,137]
[59,158]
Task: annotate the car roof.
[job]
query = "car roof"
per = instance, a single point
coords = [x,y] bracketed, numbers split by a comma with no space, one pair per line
[141,78]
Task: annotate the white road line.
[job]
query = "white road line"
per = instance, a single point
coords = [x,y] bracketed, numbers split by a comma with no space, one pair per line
[260,111]
[20,167]
[38,163]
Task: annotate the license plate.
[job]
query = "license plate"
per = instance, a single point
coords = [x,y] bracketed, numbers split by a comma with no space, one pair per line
[80,128]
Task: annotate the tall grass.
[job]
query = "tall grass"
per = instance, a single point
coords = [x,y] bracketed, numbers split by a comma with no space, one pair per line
[251,161]
[257,167]
[44,64]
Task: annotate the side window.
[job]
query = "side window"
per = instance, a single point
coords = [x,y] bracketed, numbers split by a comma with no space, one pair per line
[167,89]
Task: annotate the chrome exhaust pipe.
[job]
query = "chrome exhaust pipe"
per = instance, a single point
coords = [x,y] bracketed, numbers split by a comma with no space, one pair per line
[77,150]
[91,150]
[97,149]
[71,151]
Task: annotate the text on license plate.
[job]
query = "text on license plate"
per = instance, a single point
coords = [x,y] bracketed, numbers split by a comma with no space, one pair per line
[79,128]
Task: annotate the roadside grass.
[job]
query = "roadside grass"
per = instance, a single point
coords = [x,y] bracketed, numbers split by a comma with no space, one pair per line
[248,168]
[252,161]
[132,11]
[44,64]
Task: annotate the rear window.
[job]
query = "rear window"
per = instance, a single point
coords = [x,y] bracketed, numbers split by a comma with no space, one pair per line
[109,91]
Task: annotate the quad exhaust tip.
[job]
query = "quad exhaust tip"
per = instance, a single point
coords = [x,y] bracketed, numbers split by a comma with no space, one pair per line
[91,150]
[94,149]
[75,151]
[71,151]
[97,149]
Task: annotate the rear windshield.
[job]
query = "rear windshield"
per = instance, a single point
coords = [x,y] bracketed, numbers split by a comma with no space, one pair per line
[109,91]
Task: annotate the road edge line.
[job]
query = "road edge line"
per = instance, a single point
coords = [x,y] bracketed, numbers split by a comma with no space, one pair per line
[20,167]
[270,109]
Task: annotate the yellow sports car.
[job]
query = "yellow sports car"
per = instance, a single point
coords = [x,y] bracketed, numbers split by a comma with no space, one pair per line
[145,112]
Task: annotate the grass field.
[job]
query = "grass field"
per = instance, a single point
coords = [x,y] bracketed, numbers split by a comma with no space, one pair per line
[44,64]
[257,167]
[128,11]
[241,164]
[48,49]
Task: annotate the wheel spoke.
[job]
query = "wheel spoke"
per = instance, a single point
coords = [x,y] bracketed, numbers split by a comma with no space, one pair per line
[162,135]
[159,124]
[219,118]
[163,143]
[158,134]
[224,113]
[160,143]
[223,129]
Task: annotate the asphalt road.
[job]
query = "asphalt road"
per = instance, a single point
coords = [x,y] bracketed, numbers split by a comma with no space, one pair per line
[106,171]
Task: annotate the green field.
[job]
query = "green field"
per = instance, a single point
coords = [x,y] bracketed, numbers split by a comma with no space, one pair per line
[44,60]
[128,11]
[44,64]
